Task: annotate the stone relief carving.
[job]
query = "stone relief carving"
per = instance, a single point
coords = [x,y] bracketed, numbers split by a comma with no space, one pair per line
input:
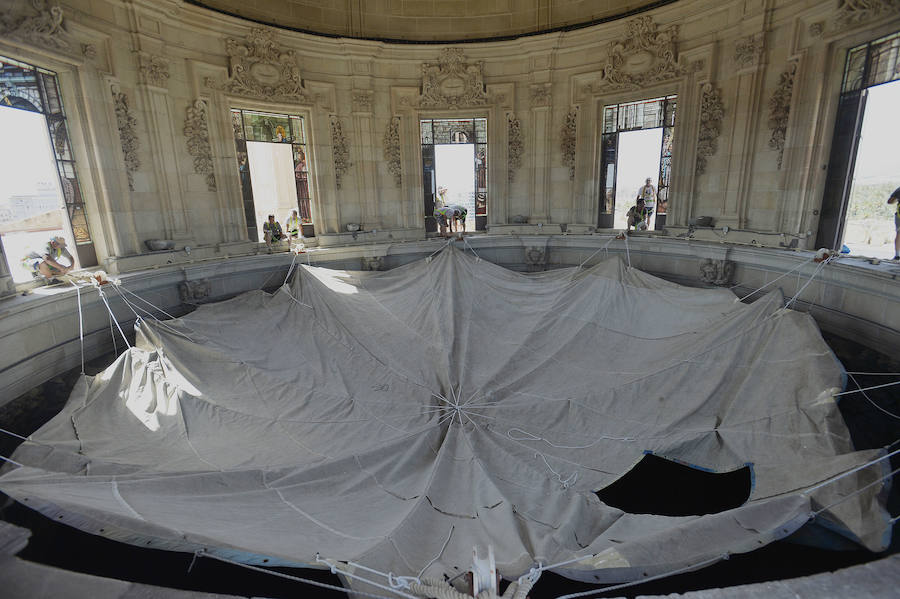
[154,69]
[45,28]
[647,54]
[535,256]
[780,110]
[851,12]
[372,262]
[193,292]
[817,29]
[340,151]
[392,150]
[748,50]
[362,100]
[259,68]
[567,142]
[126,124]
[516,146]
[196,130]
[711,113]
[716,272]
[540,94]
[452,82]
[89,51]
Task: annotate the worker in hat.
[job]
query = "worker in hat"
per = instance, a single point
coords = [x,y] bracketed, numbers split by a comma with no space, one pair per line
[46,263]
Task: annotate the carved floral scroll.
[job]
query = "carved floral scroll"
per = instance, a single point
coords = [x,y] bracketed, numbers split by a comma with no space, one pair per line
[196,132]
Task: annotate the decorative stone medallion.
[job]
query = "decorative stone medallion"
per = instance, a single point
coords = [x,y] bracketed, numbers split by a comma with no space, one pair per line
[748,50]
[647,54]
[261,69]
[452,82]
[716,272]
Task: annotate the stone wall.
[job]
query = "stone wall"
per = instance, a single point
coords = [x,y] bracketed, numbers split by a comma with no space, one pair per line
[148,85]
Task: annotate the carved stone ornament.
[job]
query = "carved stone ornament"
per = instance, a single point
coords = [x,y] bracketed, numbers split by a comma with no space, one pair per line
[711,113]
[716,272]
[567,142]
[43,27]
[194,292]
[260,69]
[748,50]
[362,100]
[540,94]
[646,55]
[126,124]
[89,51]
[516,146]
[154,69]
[392,150]
[536,255]
[817,29]
[452,82]
[852,12]
[372,262]
[340,150]
[780,110]
[196,130]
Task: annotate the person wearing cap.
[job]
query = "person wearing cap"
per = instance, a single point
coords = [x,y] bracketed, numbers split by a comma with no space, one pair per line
[46,263]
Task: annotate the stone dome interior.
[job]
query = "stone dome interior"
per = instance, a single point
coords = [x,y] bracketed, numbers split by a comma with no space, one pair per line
[429,20]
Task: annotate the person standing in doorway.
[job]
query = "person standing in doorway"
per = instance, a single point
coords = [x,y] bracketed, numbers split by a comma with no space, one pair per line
[895,199]
[648,194]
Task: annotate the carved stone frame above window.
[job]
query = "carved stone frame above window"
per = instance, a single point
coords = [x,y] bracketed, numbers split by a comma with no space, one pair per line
[452,83]
[646,55]
[259,68]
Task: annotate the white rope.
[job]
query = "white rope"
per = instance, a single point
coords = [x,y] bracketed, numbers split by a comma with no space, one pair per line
[290,270]
[627,252]
[112,334]
[875,373]
[818,268]
[80,326]
[603,247]
[334,570]
[863,389]
[288,576]
[6,459]
[158,321]
[532,437]
[857,492]
[113,316]
[869,399]
[571,479]
[155,307]
[849,472]
[801,265]
[438,556]
[466,241]
[696,566]
[449,241]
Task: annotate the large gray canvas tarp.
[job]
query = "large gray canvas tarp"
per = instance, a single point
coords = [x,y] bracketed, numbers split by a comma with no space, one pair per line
[398,419]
